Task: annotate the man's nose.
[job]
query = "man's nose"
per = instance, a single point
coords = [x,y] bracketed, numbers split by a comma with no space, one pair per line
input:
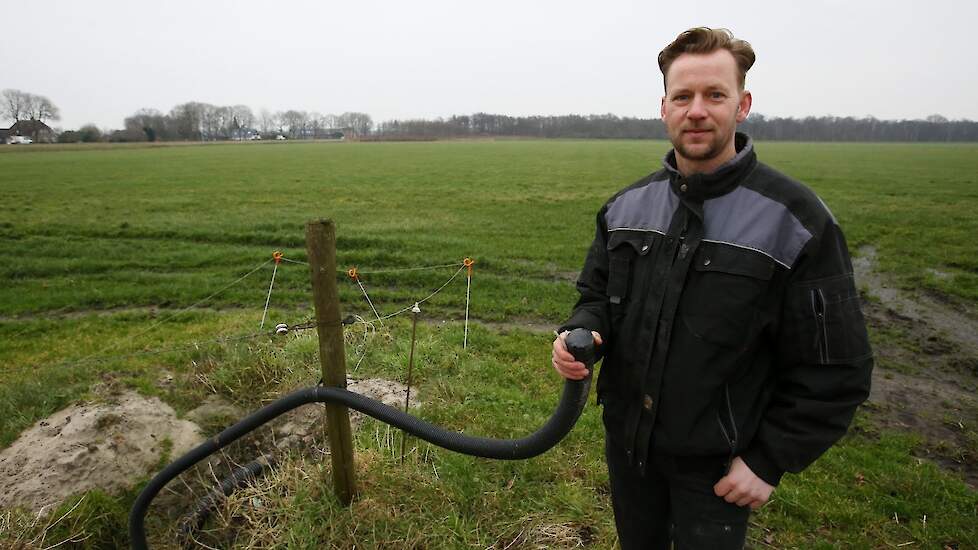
[697,108]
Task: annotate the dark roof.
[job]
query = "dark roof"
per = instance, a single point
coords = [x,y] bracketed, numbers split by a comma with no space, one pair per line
[29,127]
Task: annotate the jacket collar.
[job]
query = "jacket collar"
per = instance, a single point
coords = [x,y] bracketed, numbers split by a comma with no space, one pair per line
[699,187]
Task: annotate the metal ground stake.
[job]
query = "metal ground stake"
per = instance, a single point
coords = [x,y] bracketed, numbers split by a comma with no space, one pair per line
[407,398]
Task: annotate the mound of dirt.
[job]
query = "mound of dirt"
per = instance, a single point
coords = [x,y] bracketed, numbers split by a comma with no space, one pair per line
[108,445]
[213,409]
[97,445]
[304,424]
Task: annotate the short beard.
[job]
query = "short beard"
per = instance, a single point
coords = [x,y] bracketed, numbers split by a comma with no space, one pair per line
[715,148]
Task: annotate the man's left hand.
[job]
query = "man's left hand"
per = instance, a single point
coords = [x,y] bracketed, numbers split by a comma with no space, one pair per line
[742,487]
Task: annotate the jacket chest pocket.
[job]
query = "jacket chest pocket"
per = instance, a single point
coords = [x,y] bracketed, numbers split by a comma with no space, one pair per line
[624,250]
[723,292]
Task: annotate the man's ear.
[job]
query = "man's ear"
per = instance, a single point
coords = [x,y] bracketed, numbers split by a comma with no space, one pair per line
[743,108]
[662,108]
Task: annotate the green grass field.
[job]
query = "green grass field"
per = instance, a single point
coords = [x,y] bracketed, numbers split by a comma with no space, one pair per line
[102,247]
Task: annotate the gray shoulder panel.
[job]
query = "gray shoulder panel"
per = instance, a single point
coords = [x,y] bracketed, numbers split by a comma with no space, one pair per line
[646,208]
[748,219]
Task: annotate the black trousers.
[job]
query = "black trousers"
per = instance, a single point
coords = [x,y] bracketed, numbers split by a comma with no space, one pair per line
[673,503]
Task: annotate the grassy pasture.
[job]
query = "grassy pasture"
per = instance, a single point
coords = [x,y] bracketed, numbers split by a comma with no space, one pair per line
[99,245]
[154,226]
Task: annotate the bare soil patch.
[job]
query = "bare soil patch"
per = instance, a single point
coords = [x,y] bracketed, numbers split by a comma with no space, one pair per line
[305,426]
[106,445]
[109,444]
[533,326]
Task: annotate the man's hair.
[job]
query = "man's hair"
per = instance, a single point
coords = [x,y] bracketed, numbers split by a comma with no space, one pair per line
[703,40]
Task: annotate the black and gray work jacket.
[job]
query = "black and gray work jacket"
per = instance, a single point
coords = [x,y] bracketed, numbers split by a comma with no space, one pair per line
[731,323]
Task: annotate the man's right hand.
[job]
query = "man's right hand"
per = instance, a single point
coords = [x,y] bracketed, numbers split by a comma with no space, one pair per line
[564,363]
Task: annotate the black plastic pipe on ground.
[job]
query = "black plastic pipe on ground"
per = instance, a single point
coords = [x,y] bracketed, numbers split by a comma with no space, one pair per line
[572,401]
[238,479]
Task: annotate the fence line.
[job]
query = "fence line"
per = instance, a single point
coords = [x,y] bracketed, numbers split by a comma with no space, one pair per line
[382,270]
[101,356]
[178,312]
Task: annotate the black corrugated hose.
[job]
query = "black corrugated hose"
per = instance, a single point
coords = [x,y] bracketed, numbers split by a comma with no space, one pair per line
[572,401]
[239,478]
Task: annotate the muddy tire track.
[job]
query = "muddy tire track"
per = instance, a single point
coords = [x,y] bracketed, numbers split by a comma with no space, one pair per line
[926,376]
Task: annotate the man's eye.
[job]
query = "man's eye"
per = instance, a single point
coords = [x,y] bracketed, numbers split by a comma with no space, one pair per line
[680,97]
[717,95]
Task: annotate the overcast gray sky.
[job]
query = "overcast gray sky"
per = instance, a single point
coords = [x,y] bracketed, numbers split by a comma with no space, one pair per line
[100,61]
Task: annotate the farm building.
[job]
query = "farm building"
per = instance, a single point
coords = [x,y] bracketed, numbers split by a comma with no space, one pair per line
[34,129]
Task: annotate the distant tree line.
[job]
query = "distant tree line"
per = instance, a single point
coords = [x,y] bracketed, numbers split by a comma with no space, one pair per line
[934,128]
[195,121]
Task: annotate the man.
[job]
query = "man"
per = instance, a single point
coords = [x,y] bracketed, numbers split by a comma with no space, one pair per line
[721,297]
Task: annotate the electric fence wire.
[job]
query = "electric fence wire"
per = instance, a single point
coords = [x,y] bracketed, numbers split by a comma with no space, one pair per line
[100,354]
[194,344]
[269,297]
[385,270]
[167,318]
[423,300]
[369,301]
[291,261]
[366,339]
[468,293]
[402,269]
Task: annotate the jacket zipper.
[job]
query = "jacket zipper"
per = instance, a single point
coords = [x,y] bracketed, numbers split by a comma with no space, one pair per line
[731,441]
[818,307]
[683,248]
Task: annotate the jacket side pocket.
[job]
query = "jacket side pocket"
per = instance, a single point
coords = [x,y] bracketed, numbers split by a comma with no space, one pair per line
[730,435]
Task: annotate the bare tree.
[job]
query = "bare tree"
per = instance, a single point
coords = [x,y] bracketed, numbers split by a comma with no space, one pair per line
[303,124]
[295,121]
[210,121]
[360,123]
[224,122]
[329,121]
[15,104]
[148,124]
[244,117]
[316,125]
[187,119]
[41,109]
[268,122]
[18,105]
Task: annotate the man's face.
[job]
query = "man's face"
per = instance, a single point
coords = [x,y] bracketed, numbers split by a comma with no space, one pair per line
[701,109]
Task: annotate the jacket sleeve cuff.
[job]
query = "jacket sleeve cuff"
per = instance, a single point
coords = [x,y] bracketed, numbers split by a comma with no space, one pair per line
[762,466]
[583,319]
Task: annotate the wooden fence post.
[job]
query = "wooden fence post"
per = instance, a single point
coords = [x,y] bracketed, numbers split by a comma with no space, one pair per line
[321,248]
